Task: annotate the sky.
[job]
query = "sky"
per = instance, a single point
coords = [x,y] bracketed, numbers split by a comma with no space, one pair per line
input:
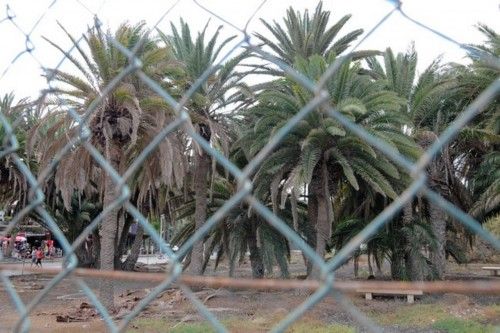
[38,19]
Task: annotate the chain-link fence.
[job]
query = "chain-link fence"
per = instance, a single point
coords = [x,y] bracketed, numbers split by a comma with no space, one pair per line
[80,135]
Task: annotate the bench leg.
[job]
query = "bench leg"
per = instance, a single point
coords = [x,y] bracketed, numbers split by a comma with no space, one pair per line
[368,296]
[411,299]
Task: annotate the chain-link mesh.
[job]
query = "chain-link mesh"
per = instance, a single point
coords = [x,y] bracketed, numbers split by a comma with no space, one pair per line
[327,284]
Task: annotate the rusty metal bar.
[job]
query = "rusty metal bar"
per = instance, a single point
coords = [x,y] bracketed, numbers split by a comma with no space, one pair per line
[479,286]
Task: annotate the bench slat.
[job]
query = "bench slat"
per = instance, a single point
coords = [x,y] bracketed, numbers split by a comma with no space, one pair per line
[390,292]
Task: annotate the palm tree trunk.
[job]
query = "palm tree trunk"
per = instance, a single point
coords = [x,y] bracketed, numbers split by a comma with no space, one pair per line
[201,169]
[438,254]
[438,218]
[96,248]
[398,245]
[323,223]
[397,264]
[370,267]
[85,257]
[135,250]
[108,233]
[10,246]
[356,264]
[312,215]
[123,228]
[255,256]
[414,269]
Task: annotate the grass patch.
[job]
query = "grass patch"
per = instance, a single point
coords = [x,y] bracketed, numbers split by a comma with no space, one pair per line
[455,325]
[492,313]
[153,325]
[310,327]
[416,315]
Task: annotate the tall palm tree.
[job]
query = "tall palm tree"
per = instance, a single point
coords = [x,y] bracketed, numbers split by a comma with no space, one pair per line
[319,152]
[476,147]
[197,56]
[302,36]
[124,121]
[425,97]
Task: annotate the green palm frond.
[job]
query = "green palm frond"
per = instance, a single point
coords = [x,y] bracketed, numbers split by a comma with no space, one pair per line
[302,35]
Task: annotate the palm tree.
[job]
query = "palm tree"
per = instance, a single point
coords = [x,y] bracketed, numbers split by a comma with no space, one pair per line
[204,107]
[424,108]
[475,150]
[124,121]
[302,36]
[238,233]
[231,238]
[477,145]
[72,222]
[319,152]
[13,185]
[14,195]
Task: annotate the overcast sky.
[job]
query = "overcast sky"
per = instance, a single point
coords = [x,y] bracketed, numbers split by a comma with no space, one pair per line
[455,18]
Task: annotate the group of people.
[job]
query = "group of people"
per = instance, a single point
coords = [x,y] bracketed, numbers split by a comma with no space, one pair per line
[40,252]
[23,250]
[36,256]
[14,248]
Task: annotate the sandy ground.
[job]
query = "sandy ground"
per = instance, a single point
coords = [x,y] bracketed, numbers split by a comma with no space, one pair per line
[260,310]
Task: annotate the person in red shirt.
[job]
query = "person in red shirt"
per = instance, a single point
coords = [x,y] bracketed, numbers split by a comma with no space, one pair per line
[39,256]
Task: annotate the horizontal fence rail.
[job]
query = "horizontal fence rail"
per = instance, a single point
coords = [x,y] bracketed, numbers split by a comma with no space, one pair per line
[490,287]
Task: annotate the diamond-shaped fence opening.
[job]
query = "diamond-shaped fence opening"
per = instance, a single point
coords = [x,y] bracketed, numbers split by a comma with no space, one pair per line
[142,126]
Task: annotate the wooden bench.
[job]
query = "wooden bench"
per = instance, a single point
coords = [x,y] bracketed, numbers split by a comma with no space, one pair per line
[493,270]
[410,294]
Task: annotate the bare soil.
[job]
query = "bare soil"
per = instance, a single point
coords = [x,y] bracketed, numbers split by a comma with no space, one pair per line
[66,308]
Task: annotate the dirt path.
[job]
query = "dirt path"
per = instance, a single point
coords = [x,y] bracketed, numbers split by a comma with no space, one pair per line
[246,311]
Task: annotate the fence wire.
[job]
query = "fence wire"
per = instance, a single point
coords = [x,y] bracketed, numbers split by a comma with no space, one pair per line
[327,285]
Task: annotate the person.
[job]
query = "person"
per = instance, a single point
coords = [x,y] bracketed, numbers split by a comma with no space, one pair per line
[45,248]
[33,256]
[50,247]
[39,256]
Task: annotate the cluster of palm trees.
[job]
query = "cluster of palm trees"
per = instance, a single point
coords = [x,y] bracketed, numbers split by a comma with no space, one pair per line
[322,179]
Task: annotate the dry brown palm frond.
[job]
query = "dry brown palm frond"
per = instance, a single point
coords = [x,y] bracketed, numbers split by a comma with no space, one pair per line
[291,182]
[17,180]
[143,187]
[35,136]
[135,112]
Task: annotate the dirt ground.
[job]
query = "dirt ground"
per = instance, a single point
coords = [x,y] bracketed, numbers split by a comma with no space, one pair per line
[255,311]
